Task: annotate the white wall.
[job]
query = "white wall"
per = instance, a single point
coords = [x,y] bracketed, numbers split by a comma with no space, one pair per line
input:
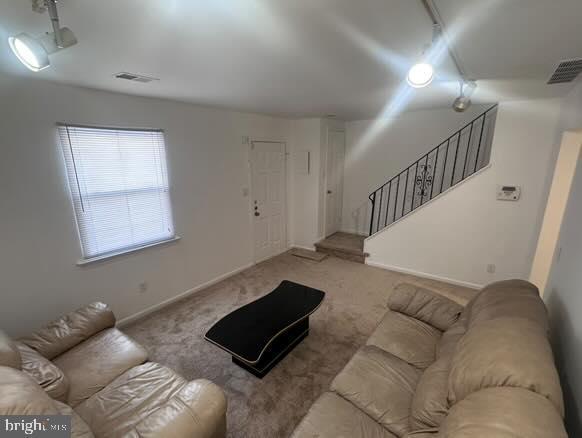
[305,136]
[308,190]
[564,301]
[563,294]
[456,236]
[372,159]
[571,118]
[326,126]
[563,177]
[208,167]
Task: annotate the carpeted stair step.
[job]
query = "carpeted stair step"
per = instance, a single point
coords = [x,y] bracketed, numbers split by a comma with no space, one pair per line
[343,245]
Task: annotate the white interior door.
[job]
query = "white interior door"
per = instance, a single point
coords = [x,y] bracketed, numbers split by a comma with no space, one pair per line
[334,181]
[268,198]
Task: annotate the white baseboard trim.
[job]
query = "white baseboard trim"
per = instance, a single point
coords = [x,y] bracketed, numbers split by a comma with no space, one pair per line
[425,275]
[353,231]
[283,251]
[129,319]
[308,248]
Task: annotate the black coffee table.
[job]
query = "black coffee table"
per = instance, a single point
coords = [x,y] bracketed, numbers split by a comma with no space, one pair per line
[260,334]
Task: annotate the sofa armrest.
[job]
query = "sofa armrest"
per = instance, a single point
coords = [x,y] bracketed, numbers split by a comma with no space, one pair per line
[44,372]
[72,329]
[425,305]
[197,410]
[9,354]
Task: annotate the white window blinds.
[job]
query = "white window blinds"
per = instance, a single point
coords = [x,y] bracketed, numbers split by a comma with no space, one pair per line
[119,185]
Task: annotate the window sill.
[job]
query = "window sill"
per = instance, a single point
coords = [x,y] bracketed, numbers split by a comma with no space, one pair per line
[108,256]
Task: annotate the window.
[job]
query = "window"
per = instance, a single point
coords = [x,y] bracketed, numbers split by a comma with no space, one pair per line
[119,185]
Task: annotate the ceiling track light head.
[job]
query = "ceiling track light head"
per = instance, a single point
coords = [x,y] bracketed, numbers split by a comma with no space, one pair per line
[39,6]
[34,52]
[463,102]
[436,32]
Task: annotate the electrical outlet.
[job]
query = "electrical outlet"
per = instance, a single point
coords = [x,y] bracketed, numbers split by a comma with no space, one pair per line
[143,287]
[491,268]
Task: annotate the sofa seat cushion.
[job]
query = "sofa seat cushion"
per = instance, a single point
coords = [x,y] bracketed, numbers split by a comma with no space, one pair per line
[411,340]
[197,410]
[505,352]
[331,416]
[503,413]
[44,372]
[93,364]
[381,385]
[79,429]
[132,397]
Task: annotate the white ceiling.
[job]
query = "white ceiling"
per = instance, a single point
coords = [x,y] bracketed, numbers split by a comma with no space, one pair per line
[302,57]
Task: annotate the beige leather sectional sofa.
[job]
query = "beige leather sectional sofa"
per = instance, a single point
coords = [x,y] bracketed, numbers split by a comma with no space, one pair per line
[433,369]
[83,366]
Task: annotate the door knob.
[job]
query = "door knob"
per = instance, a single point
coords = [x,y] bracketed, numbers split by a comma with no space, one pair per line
[329,192]
[257,213]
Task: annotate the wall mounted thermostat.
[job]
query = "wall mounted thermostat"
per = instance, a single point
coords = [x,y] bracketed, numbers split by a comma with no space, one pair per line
[508,193]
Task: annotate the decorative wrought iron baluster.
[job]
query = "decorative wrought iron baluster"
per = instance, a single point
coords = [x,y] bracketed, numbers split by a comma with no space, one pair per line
[405,192]
[479,146]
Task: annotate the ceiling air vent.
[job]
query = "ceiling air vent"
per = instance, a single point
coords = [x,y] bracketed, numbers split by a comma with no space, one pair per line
[566,71]
[134,77]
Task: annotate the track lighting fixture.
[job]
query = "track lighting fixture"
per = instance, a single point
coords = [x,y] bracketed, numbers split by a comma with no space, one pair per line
[421,74]
[463,102]
[34,52]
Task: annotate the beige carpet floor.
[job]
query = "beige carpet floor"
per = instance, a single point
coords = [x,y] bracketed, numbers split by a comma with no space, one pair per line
[354,304]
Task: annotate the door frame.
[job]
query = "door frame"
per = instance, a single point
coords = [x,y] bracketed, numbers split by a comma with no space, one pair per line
[325,180]
[251,196]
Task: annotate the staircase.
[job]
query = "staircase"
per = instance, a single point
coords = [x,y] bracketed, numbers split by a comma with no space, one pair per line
[343,245]
[443,167]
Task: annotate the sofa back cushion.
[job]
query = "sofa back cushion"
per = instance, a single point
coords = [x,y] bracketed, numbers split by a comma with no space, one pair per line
[22,396]
[504,352]
[9,354]
[510,298]
[429,403]
[503,413]
[425,305]
[66,332]
[449,340]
